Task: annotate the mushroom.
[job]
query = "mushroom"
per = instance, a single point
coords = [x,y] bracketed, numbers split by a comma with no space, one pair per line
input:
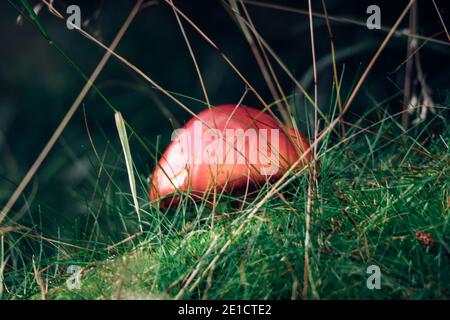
[227,148]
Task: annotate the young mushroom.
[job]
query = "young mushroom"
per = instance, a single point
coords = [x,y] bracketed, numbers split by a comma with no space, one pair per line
[225,149]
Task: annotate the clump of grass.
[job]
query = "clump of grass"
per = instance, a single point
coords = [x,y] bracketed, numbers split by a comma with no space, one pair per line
[377,200]
[374,200]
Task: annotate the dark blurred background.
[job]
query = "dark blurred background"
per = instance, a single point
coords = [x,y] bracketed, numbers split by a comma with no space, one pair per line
[38,85]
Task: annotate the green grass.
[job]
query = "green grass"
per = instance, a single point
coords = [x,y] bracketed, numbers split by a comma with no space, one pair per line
[379,194]
[374,196]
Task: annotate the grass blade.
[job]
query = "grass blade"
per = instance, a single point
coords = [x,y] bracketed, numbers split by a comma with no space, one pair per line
[35,19]
[121,129]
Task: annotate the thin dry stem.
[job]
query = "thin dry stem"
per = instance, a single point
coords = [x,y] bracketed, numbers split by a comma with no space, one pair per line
[55,136]
[411,46]
[402,33]
[311,194]
[442,20]
[38,278]
[260,60]
[335,73]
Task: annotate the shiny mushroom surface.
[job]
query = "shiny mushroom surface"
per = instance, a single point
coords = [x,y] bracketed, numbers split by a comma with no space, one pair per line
[227,148]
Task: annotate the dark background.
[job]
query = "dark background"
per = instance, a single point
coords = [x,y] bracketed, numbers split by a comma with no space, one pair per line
[37,85]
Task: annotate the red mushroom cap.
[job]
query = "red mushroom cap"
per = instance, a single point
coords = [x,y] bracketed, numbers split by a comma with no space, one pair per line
[228,147]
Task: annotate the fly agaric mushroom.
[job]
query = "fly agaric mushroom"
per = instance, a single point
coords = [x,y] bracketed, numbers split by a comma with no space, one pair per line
[227,148]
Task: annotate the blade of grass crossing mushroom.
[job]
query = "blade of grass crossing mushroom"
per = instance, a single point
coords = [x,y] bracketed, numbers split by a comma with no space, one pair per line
[121,129]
